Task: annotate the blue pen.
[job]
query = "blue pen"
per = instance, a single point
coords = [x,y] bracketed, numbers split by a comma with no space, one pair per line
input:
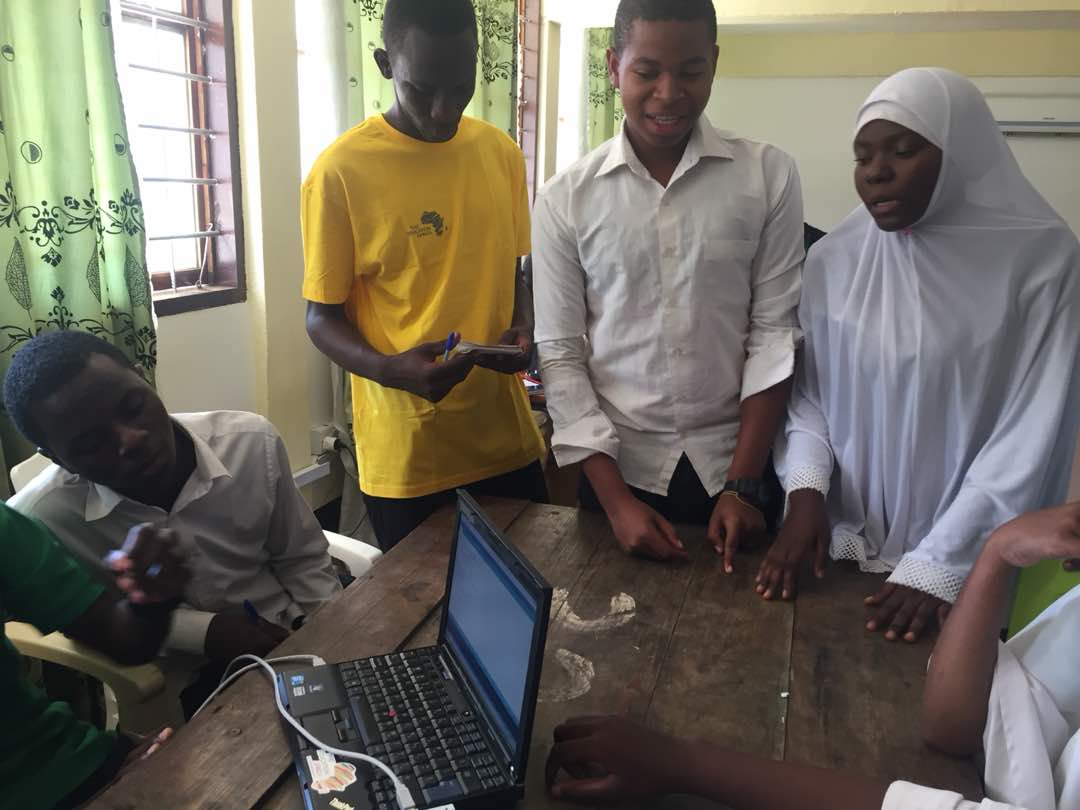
[449,346]
[252,614]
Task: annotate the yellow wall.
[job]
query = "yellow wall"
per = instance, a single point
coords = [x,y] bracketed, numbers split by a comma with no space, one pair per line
[602,12]
[974,53]
[269,127]
[802,8]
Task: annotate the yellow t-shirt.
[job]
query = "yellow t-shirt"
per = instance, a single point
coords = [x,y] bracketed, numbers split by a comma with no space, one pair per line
[419,240]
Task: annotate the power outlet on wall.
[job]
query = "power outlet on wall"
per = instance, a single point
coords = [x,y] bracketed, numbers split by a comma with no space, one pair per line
[321,436]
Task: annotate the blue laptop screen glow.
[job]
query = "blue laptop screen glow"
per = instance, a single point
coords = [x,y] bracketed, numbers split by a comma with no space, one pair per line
[489,627]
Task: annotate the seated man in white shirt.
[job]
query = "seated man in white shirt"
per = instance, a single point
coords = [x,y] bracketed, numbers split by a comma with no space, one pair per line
[667,270]
[220,480]
[1019,702]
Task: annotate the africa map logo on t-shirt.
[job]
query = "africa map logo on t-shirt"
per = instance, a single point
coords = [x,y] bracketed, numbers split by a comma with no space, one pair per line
[431,222]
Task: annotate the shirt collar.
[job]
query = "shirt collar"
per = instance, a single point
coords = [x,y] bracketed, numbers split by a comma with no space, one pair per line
[705,142]
[101,500]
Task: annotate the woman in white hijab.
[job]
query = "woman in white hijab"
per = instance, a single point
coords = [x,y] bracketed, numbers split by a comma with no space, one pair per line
[939,390]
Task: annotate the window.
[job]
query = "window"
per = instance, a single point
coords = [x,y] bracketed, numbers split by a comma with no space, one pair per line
[175,60]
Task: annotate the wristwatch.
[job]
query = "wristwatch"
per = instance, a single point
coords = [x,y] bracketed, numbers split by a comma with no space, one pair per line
[751,490]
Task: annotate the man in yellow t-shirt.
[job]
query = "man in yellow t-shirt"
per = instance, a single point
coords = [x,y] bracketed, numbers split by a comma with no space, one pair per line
[414,225]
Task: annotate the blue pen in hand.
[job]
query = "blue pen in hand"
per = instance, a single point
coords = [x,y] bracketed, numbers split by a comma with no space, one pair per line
[450,343]
[252,614]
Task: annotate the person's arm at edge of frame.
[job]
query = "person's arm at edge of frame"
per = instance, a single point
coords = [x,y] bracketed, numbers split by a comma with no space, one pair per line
[961,672]
[637,762]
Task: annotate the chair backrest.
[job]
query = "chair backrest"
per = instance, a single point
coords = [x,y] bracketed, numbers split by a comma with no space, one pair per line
[26,471]
[356,554]
[1037,588]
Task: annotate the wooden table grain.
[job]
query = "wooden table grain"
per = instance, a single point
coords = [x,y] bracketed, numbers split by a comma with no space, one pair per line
[685,648]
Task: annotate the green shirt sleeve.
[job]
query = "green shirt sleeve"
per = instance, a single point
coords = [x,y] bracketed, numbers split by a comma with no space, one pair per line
[40,582]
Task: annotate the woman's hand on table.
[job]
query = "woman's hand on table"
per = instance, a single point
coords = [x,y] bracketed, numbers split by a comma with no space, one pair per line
[904,612]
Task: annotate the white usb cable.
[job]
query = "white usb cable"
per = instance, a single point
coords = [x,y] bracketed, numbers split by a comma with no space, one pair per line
[401,791]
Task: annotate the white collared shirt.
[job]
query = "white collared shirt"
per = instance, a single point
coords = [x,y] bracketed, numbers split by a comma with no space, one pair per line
[658,310]
[248,531]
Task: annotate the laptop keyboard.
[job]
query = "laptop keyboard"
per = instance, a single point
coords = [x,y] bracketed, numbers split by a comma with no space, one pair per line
[408,719]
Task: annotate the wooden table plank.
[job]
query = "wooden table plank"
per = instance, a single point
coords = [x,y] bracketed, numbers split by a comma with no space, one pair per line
[232,754]
[728,664]
[610,634]
[856,698]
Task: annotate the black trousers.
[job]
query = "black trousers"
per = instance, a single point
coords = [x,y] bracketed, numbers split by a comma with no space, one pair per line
[394,518]
[687,501]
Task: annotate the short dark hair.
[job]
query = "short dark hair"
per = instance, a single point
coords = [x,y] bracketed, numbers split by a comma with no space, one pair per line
[44,364]
[442,17]
[657,10]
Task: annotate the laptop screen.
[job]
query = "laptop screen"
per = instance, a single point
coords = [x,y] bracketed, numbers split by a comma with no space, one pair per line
[489,626]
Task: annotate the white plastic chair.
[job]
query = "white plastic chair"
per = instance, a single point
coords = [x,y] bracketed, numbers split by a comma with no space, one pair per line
[356,554]
[26,471]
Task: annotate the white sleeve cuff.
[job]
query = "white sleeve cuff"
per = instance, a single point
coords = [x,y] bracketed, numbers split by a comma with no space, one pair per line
[187,633]
[929,578]
[770,364]
[583,440]
[906,796]
[808,476]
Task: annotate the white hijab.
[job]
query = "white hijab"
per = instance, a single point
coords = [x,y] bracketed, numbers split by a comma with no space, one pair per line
[1032,736]
[941,371]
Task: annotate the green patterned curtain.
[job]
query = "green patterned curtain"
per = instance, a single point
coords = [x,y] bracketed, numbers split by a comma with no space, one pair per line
[604,111]
[496,81]
[72,244]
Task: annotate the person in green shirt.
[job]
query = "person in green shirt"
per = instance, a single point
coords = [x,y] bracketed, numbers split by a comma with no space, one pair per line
[49,758]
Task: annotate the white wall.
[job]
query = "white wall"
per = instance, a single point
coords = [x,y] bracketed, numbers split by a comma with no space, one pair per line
[812,119]
[206,360]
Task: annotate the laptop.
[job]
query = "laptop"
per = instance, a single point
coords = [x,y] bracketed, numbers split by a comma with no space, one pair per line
[454,720]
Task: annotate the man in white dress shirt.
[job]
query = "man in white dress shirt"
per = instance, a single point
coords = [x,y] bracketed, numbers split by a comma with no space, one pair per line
[667,272]
[221,480]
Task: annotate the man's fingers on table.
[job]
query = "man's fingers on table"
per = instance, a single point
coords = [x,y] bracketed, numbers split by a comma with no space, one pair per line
[148,745]
[660,545]
[732,538]
[715,532]
[667,531]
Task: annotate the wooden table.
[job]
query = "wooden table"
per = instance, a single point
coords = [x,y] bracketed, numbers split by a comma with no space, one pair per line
[684,647]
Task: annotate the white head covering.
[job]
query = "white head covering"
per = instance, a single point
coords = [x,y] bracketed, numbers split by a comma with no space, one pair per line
[979,170]
[939,393]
